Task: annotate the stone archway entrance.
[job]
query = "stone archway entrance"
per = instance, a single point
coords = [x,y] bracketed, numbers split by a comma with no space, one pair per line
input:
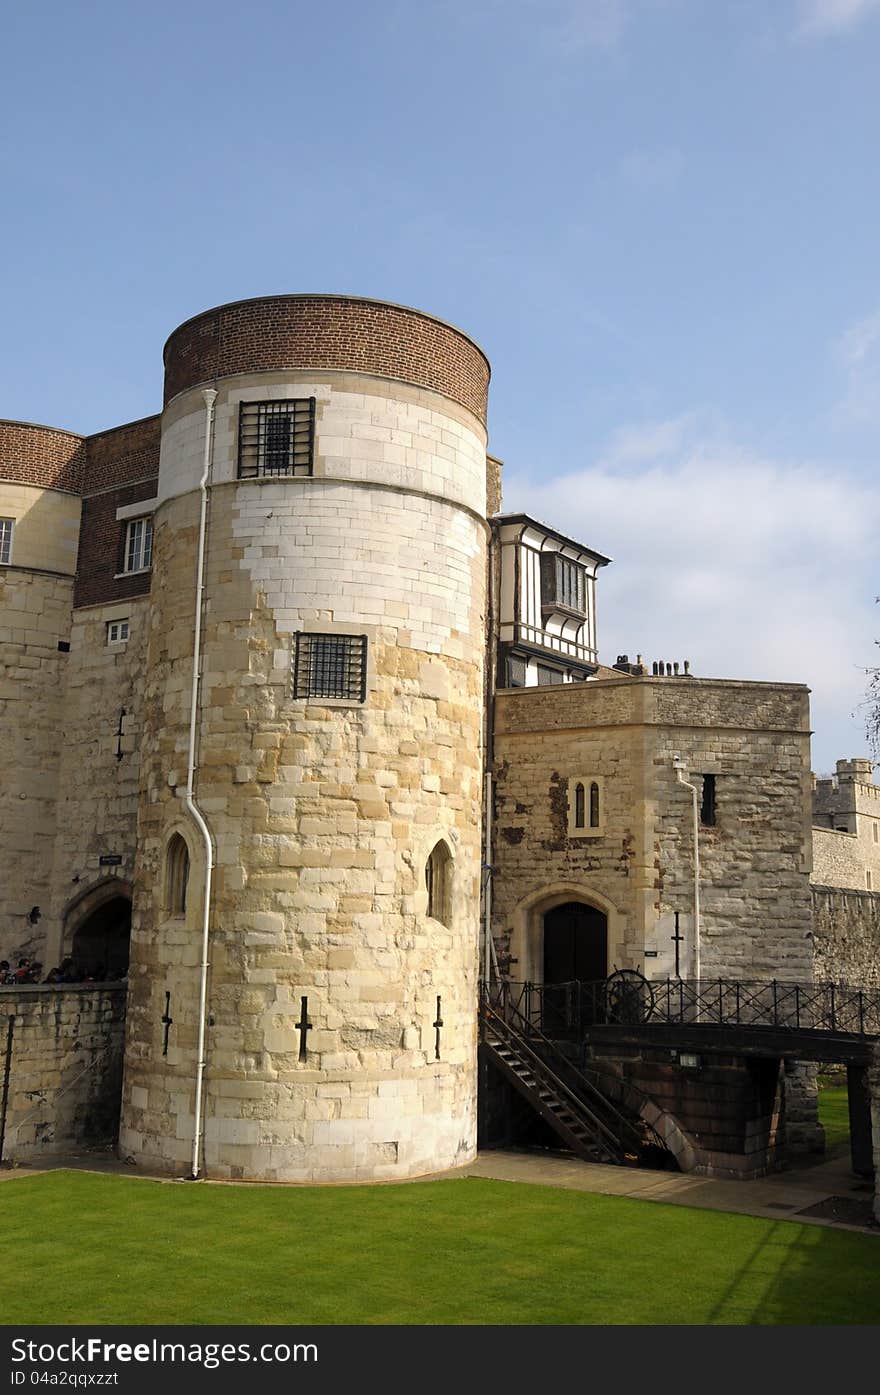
[100,943]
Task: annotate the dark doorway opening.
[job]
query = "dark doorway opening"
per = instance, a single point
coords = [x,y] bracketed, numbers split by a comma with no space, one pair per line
[575,944]
[575,951]
[101,944]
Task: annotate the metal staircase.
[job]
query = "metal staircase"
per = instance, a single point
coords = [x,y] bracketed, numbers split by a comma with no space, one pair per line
[581,1115]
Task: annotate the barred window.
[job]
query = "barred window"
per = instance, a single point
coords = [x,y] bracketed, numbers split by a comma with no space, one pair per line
[6,527]
[276,438]
[139,545]
[330,666]
[563,584]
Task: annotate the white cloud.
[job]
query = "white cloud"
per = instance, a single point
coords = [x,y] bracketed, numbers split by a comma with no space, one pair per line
[652,170]
[751,568]
[819,18]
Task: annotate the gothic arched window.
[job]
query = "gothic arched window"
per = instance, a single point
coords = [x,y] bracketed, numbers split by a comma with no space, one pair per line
[594,805]
[176,875]
[438,882]
[579,803]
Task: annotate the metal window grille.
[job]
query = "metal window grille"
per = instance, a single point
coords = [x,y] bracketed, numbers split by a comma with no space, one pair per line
[330,666]
[276,438]
[516,672]
[139,545]
[548,676]
[6,526]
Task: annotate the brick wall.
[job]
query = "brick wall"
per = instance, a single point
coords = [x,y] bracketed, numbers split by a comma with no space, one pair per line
[101,547]
[327,332]
[41,455]
[66,1074]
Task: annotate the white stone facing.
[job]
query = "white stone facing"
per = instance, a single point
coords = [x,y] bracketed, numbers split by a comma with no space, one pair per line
[366,429]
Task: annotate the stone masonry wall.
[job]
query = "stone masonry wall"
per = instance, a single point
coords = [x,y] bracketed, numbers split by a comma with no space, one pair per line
[98,773]
[66,1071]
[754,862]
[34,623]
[846,936]
[323,813]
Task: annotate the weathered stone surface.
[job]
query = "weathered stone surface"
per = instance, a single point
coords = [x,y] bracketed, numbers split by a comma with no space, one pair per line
[66,1067]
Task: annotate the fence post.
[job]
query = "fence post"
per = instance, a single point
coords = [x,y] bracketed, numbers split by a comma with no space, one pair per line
[775,1005]
[797,1006]
[861,1014]
[833,1015]
[6,1069]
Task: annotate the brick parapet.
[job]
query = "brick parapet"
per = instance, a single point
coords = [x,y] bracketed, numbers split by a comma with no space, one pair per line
[42,455]
[122,455]
[313,331]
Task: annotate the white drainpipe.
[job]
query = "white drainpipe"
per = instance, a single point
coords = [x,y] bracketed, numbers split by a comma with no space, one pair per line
[210,397]
[678,766]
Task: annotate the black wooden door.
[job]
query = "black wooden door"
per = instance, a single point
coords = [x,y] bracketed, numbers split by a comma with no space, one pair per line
[575,951]
[575,944]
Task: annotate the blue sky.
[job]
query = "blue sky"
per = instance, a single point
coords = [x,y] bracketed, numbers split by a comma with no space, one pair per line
[658,217]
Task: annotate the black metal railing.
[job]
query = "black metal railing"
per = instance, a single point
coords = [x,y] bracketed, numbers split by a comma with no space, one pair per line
[567,1010]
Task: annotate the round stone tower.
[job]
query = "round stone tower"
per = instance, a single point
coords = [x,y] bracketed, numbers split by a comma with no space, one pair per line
[40,481]
[337,754]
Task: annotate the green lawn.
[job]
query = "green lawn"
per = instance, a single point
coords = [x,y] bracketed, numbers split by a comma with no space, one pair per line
[834,1114]
[92,1248]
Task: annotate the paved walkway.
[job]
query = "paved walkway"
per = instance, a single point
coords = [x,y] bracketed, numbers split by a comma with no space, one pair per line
[826,1188]
[841,1199]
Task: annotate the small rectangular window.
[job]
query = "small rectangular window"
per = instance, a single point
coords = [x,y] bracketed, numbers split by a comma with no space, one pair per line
[876,832]
[707,805]
[276,438]
[6,528]
[139,545]
[117,631]
[548,676]
[330,666]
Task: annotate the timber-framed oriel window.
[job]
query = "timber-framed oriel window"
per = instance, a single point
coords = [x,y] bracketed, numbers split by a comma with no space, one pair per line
[563,584]
[329,666]
[276,438]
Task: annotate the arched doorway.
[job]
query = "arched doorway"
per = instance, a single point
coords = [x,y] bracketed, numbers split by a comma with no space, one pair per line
[100,944]
[575,951]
